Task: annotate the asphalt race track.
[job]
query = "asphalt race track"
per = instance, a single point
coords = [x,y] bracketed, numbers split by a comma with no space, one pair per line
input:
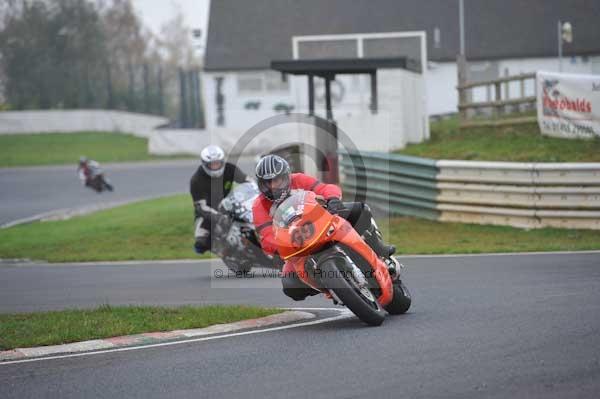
[25,192]
[519,326]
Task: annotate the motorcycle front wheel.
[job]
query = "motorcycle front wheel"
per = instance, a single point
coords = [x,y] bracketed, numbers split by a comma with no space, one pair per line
[236,266]
[108,186]
[360,301]
[401,301]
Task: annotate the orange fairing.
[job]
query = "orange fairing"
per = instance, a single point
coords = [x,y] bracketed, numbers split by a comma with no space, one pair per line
[344,233]
[302,226]
[298,265]
[298,236]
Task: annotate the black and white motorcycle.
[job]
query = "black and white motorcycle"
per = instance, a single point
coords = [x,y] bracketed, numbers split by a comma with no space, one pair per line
[235,239]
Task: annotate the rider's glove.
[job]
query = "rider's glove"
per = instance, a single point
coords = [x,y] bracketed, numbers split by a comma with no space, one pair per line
[334,205]
[203,210]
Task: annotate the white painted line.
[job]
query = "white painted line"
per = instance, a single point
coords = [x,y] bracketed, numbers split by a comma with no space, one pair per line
[498,254]
[138,262]
[26,220]
[192,161]
[109,343]
[14,262]
[68,213]
[26,262]
[109,166]
[562,295]
[343,314]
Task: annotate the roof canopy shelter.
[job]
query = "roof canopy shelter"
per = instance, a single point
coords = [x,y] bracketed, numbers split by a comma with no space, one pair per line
[329,68]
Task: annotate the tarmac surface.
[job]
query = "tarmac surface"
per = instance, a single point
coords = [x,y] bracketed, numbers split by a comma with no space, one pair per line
[30,191]
[519,326]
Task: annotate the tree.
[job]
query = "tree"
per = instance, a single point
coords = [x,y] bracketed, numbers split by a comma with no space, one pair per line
[180,66]
[92,54]
[50,54]
[175,43]
[126,46]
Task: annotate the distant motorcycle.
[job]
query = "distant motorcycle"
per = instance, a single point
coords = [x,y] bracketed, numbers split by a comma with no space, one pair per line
[235,239]
[93,176]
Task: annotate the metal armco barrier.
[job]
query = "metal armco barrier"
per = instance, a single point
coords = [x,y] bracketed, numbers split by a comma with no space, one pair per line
[527,195]
[412,181]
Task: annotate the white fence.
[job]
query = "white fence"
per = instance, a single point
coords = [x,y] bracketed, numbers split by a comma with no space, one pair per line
[71,121]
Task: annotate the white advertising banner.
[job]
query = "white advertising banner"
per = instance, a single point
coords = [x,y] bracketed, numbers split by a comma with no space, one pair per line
[568,105]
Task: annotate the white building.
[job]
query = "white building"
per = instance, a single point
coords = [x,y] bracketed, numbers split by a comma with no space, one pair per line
[502,37]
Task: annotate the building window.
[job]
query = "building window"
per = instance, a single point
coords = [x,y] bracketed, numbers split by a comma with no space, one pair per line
[259,83]
[276,82]
[437,38]
[250,83]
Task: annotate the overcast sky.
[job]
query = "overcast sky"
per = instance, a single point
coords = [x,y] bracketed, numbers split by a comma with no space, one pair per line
[154,13]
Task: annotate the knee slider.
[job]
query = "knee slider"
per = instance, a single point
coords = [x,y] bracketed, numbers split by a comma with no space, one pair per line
[297,294]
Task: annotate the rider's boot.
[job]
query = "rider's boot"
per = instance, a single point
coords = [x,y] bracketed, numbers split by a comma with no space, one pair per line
[373,237]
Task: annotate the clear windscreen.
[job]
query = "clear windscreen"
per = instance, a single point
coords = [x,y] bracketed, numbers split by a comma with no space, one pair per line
[239,201]
[244,191]
[289,210]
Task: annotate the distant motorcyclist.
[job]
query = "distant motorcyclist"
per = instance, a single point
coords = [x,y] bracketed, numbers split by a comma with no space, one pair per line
[275,182]
[91,175]
[211,182]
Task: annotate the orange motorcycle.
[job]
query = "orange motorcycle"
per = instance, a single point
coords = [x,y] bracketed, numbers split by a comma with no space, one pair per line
[328,255]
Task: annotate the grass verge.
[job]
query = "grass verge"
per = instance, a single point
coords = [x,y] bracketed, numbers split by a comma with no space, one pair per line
[420,236]
[163,229]
[61,327]
[523,143]
[66,148]
[148,230]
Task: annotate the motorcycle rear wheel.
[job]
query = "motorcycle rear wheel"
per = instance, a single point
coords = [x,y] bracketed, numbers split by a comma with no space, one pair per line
[363,305]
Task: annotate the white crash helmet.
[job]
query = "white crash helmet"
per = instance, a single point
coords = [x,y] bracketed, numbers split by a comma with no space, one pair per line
[213,160]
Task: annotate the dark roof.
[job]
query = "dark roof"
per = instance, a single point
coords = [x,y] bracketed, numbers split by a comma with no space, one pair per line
[250,34]
[326,67]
